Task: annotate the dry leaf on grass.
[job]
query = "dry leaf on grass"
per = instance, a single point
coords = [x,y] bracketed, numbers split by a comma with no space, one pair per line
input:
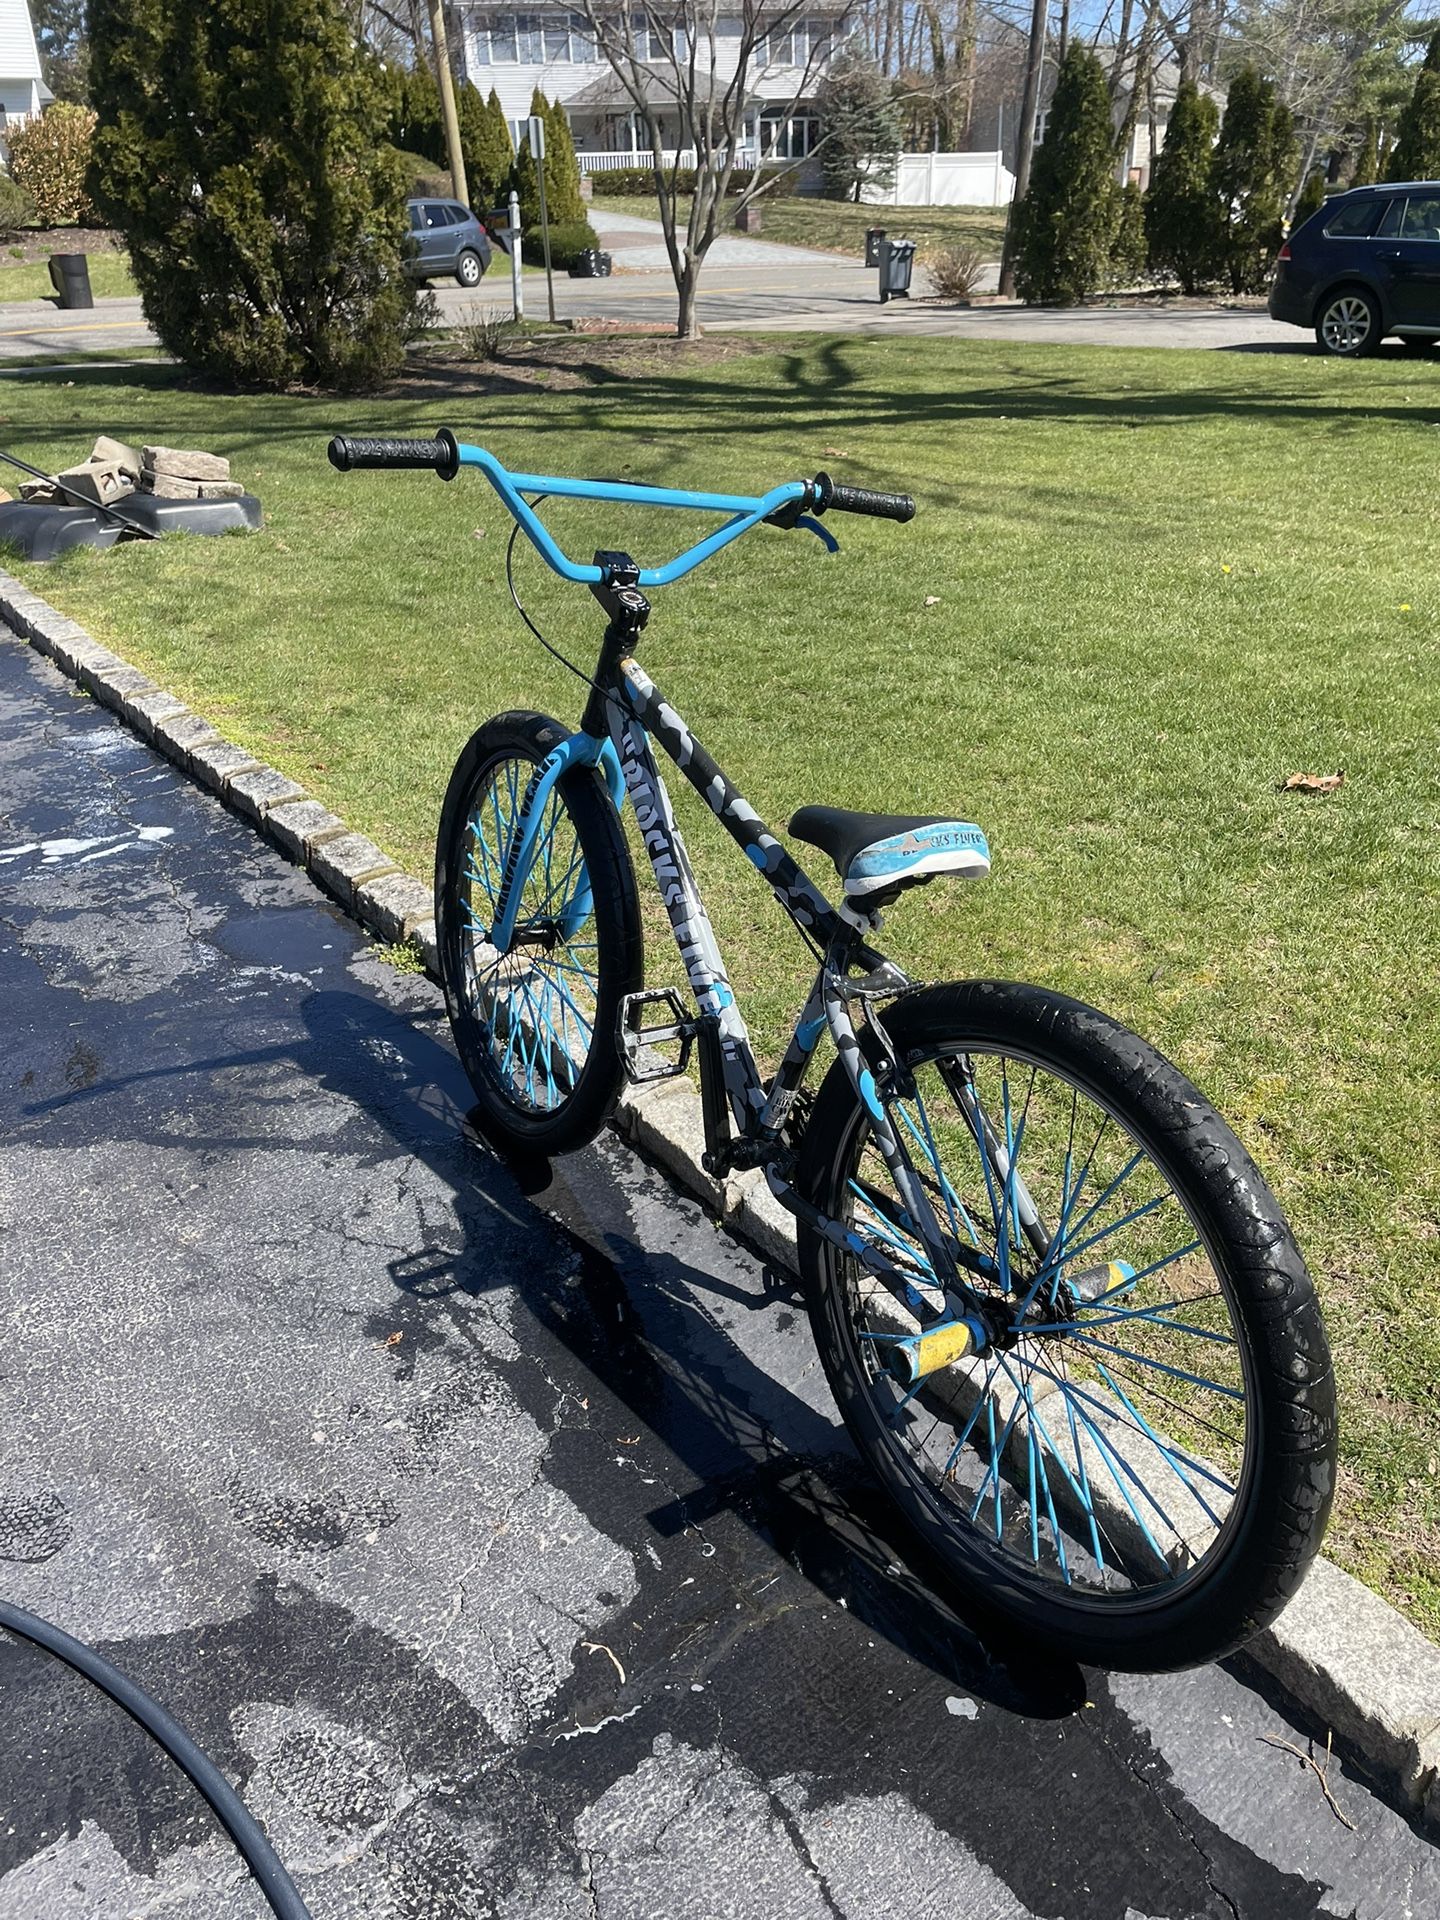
[932,599]
[835,453]
[1313,782]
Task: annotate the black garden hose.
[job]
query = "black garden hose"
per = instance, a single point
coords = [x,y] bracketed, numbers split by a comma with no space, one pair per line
[229,1809]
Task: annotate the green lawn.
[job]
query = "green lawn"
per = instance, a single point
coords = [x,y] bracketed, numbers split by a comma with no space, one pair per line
[1161,582]
[30,279]
[840,227]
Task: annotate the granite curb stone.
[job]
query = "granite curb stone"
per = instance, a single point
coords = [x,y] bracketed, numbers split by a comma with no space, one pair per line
[254,794]
[347,861]
[1350,1659]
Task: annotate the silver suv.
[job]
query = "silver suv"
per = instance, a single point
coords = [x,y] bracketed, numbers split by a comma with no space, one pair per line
[449,240]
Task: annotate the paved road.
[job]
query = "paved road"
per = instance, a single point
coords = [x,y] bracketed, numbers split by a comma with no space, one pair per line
[748,286]
[493,1531]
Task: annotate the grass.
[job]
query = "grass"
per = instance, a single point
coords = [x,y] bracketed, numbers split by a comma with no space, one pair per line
[1143,588]
[30,279]
[839,227]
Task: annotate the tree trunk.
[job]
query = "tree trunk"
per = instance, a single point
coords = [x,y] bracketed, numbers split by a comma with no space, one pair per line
[1025,142]
[687,327]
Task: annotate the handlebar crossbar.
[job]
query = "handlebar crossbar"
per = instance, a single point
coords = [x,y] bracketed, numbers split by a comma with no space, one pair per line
[784,505]
[512,487]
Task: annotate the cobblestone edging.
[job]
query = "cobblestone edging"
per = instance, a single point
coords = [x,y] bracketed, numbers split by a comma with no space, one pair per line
[1354,1663]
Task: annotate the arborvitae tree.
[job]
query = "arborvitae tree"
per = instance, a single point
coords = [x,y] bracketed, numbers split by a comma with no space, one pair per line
[1067,220]
[1182,208]
[1312,197]
[492,157]
[1252,169]
[237,152]
[1128,252]
[1416,153]
[858,111]
[417,126]
[524,176]
[562,168]
[1367,160]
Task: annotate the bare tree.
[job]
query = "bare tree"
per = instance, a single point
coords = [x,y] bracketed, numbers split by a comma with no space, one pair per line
[1025,145]
[694,62]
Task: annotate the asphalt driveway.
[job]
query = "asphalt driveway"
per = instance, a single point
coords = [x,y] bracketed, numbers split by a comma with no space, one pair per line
[492,1529]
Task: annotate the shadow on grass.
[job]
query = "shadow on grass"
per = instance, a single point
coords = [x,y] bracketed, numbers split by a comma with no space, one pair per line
[849,383]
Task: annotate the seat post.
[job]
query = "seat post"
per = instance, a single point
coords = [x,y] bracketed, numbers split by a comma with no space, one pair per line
[619,594]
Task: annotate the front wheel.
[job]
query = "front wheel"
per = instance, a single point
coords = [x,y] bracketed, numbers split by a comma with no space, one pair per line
[535,1025]
[1138,1463]
[1349,326]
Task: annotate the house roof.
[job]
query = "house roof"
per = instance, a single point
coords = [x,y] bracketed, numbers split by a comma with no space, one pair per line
[610,91]
[19,57]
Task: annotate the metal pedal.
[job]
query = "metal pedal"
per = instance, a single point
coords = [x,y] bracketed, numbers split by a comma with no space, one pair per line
[636,1039]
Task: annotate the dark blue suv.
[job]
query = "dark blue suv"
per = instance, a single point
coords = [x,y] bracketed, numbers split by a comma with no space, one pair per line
[1366,264]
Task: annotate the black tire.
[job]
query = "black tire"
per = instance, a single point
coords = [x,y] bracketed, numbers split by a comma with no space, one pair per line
[469,268]
[1348,323]
[582,1069]
[1208,1603]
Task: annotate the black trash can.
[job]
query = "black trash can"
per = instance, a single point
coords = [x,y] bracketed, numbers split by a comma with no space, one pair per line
[70,277]
[592,264]
[873,237]
[897,263]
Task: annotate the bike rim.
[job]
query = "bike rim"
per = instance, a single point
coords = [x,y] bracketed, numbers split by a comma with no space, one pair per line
[536,1004]
[1106,1454]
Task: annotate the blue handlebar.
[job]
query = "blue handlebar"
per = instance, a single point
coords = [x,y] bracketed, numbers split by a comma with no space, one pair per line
[745,513]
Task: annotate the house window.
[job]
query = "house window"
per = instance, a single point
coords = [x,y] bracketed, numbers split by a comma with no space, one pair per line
[557,39]
[787,46]
[788,139]
[500,38]
[529,40]
[582,43]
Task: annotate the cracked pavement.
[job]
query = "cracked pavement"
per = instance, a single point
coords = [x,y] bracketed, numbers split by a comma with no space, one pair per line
[491,1528]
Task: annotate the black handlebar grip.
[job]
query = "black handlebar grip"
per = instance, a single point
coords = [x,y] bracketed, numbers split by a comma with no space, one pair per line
[440,455]
[832,498]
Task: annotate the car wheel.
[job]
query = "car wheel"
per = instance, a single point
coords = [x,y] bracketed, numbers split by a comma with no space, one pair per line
[468,269]
[1349,323]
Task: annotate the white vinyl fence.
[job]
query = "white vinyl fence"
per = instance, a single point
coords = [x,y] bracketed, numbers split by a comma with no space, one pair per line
[946,180]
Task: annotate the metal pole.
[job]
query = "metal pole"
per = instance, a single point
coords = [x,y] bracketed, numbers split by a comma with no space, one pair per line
[517,289]
[544,214]
[450,115]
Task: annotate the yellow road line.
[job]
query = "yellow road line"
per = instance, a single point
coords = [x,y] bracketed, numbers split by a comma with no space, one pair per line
[95,326]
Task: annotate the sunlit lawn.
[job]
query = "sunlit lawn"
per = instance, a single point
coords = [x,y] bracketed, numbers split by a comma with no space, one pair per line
[839,227]
[30,279]
[1141,590]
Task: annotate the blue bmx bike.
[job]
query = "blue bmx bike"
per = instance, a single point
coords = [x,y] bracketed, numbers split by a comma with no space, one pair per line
[1060,1311]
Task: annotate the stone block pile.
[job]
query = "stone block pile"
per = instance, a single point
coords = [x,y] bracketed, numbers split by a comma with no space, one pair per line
[114,471]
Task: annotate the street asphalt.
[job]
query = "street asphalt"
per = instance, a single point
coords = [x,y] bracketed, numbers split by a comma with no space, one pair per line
[490,1526]
[749,286]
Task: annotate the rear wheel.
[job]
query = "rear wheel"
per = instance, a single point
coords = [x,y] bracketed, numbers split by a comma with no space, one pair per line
[1348,325]
[469,268]
[535,1025]
[1139,1463]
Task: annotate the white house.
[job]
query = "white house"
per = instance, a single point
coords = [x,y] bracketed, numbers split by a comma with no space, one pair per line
[22,90]
[551,48]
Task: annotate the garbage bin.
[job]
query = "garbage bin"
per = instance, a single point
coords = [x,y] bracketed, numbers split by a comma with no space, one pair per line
[70,277]
[591,264]
[897,263]
[873,237]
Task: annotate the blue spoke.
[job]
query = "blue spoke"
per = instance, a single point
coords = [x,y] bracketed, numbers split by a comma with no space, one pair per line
[1166,1453]
[1175,1373]
[952,1199]
[892,1234]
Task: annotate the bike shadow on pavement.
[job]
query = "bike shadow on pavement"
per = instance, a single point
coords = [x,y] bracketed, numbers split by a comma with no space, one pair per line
[641,1326]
